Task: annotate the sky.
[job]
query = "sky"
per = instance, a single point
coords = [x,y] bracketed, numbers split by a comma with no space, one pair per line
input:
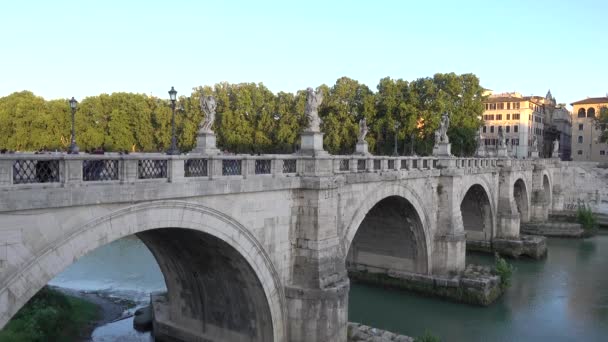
[60,49]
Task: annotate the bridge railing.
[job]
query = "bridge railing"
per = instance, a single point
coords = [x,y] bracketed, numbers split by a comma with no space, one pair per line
[56,169]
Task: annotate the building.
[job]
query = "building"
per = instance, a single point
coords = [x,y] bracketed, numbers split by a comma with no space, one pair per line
[521,119]
[585,144]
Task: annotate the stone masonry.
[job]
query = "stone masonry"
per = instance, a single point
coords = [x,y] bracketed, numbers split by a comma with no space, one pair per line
[255,248]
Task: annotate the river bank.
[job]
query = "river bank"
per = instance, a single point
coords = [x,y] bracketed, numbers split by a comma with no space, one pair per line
[109,309]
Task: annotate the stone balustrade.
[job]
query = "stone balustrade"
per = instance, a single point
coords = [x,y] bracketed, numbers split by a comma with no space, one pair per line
[24,169]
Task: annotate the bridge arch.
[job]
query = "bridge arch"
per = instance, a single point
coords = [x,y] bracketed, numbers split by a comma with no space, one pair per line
[391,214]
[522,199]
[477,211]
[175,230]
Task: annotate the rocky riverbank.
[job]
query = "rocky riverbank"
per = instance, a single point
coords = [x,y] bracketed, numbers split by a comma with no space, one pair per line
[363,333]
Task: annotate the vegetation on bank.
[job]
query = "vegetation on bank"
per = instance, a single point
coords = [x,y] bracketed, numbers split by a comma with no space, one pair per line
[427,337]
[587,219]
[50,316]
[252,119]
[504,270]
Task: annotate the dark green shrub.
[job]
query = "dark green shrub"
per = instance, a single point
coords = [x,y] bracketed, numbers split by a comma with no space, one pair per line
[586,218]
[504,270]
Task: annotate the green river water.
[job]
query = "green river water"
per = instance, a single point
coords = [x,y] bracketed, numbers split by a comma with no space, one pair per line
[562,298]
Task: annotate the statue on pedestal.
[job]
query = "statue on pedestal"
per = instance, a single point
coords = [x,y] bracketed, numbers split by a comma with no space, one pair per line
[444,124]
[501,138]
[555,153]
[534,144]
[313,100]
[362,130]
[208,107]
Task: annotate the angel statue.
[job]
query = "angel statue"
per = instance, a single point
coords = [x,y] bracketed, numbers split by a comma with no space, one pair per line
[441,135]
[555,147]
[362,130]
[501,137]
[313,100]
[534,144]
[208,106]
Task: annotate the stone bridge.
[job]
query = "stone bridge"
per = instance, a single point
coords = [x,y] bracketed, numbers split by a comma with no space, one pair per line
[257,248]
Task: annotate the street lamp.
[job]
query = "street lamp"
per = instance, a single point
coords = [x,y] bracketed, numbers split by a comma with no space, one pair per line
[412,138]
[395,152]
[173,96]
[73,149]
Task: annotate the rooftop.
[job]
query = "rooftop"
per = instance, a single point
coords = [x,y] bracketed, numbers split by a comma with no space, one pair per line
[591,100]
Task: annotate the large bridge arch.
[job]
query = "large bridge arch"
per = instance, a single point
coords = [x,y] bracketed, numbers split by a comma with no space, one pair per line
[477,208]
[521,196]
[394,198]
[153,222]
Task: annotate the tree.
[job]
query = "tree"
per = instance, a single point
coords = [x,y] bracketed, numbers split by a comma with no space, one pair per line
[601,120]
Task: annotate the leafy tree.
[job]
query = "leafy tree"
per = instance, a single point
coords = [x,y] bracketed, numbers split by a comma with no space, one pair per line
[601,122]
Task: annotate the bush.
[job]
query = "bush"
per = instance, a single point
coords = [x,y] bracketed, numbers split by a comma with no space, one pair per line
[49,316]
[427,337]
[504,270]
[586,218]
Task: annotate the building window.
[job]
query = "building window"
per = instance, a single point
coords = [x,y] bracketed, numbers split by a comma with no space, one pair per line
[508,128]
[580,127]
[491,129]
[580,139]
[508,105]
[516,105]
[506,141]
[501,105]
[529,117]
[484,129]
[515,128]
[516,116]
[591,112]
[498,116]
[581,113]
[579,152]
[508,116]
[602,152]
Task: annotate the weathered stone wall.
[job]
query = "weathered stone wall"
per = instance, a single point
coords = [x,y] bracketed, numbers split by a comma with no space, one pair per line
[584,183]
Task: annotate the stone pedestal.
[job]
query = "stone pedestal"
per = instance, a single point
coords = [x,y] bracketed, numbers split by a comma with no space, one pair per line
[312,144]
[534,154]
[205,143]
[362,148]
[442,150]
[501,152]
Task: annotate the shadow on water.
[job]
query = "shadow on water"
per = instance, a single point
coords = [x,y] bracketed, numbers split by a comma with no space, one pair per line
[562,298]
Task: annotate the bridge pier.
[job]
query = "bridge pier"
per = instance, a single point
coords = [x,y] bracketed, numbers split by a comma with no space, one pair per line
[317,299]
[450,240]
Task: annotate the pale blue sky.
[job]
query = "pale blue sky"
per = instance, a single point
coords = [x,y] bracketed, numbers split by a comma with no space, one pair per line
[59,49]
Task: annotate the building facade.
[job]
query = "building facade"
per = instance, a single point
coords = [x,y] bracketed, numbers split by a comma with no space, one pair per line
[520,118]
[585,133]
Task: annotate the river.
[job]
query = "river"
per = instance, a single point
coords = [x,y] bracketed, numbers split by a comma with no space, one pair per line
[562,298]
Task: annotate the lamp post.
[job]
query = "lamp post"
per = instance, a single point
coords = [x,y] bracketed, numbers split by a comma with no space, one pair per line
[173,96]
[412,138]
[73,149]
[395,152]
